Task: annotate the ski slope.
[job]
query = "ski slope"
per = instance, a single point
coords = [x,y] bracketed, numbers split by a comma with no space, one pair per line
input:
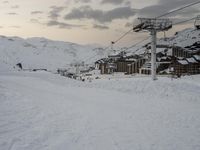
[44,111]
[36,53]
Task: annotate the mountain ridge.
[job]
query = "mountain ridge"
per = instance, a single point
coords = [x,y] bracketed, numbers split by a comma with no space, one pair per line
[39,52]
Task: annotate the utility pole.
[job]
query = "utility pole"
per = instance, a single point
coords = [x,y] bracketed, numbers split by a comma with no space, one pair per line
[153,25]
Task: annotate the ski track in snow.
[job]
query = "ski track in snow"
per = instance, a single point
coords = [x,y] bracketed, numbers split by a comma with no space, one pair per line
[43,111]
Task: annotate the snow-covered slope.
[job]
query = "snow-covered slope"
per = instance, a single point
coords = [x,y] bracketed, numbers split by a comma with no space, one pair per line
[183,38]
[43,111]
[44,53]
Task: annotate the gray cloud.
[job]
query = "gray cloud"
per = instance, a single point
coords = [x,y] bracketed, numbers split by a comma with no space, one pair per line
[35,21]
[55,12]
[36,12]
[82,1]
[164,6]
[12,13]
[100,27]
[62,24]
[86,12]
[15,27]
[5,2]
[15,7]
[115,2]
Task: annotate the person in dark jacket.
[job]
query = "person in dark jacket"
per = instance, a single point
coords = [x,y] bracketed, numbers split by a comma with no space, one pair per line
[19,65]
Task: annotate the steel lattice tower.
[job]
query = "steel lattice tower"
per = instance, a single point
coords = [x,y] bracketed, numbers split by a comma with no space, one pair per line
[153,25]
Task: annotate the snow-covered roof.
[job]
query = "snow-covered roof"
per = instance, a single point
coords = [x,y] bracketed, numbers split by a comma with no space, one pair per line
[197,57]
[104,60]
[114,56]
[183,62]
[191,50]
[130,59]
[164,57]
[180,58]
[191,60]
[169,52]
[160,50]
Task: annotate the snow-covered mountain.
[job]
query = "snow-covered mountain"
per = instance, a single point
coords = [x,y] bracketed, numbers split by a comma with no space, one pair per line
[51,55]
[182,38]
[44,53]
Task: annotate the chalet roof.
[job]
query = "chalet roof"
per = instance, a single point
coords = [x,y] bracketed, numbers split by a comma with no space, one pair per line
[192,50]
[103,60]
[114,56]
[195,45]
[191,60]
[163,58]
[169,52]
[183,62]
[130,59]
[135,56]
[197,57]
[160,50]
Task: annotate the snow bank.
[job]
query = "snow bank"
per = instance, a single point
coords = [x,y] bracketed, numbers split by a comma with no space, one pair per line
[42,111]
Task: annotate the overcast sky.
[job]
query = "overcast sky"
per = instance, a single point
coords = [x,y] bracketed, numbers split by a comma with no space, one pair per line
[85,21]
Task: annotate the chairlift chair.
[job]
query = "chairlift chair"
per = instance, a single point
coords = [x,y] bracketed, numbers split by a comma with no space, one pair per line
[197,22]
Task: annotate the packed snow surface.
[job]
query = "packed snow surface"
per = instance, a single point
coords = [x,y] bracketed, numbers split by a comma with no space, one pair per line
[44,111]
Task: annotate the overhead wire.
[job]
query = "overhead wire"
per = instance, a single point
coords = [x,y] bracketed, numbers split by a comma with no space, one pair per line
[165,14]
[114,42]
[90,57]
[137,43]
[181,22]
[178,9]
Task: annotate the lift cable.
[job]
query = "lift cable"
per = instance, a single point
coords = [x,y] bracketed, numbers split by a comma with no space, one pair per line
[165,14]
[114,42]
[184,21]
[178,9]
[137,43]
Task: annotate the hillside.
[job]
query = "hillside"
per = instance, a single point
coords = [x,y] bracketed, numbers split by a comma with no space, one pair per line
[44,53]
[51,55]
[182,38]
